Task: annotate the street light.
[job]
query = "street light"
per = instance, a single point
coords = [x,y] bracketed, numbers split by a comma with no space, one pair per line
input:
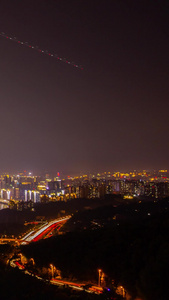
[32,260]
[52,268]
[99,276]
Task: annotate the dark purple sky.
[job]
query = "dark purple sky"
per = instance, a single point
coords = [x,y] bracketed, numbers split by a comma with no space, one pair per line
[114,115]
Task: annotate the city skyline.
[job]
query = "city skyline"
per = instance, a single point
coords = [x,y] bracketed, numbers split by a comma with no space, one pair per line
[113,114]
[26,189]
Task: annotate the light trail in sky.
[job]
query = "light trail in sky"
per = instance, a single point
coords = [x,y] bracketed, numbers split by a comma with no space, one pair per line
[46,52]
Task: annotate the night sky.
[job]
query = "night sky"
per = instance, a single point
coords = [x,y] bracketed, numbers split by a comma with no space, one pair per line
[113,115]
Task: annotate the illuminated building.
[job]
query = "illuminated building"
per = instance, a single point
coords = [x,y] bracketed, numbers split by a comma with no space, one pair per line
[8,195]
[102,191]
[3,194]
[17,193]
[84,191]
[33,196]
[26,195]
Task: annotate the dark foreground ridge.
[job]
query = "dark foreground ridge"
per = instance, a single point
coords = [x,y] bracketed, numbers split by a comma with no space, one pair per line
[133,252]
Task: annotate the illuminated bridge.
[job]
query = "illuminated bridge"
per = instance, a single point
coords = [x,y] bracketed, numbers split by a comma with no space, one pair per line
[5,202]
[9,240]
[42,232]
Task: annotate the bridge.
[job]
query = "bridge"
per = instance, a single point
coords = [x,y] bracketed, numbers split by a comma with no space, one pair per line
[42,232]
[9,240]
[5,202]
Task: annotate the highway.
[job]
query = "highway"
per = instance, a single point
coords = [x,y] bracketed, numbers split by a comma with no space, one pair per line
[15,263]
[8,240]
[44,230]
